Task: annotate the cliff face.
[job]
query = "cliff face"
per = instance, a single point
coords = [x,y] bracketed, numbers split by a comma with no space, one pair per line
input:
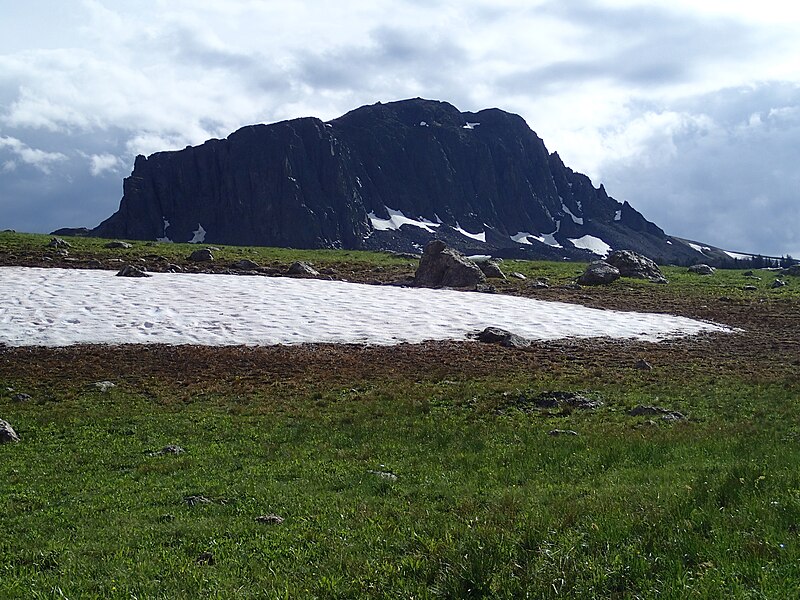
[386,176]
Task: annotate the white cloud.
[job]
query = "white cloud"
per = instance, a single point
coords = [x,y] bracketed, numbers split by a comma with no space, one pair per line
[100,163]
[35,157]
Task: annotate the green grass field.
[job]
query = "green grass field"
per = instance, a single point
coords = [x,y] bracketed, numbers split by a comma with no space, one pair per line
[405,486]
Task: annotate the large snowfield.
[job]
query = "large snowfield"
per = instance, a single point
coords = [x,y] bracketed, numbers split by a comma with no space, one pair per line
[60,307]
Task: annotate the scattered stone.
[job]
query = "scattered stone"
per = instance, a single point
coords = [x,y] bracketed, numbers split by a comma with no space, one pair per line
[518,275]
[118,244]
[486,288]
[104,386]
[557,432]
[269,519]
[702,269]
[194,500]
[168,449]
[495,335]
[21,397]
[778,283]
[132,271]
[599,273]
[643,365]
[205,558]
[201,255]
[749,288]
[302,268]
[7,433]
[631,264]
[383,474]
[491,268]
[666,414]
[406,255]
[245,264]
[171,268]
[57,242]
[442,266]
[566,401]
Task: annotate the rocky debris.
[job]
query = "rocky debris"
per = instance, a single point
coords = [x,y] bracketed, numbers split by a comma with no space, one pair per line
[132,271]
[558,432]
[631,264]
[302,268]
[442,266]
[270,519]
[7,433]
[104,386]
[21,397]
[245,265]
[195,500]
[201,255]
[169,449]
[205,558]
[118,244]
[491,268]
[495,335]
[486,288]
[778,283]
[57,242]
[388,475]
[643,365]
[518,275]
[406,255]
[649,411]
[171,268]
[599,273]
[701,269]
[794,271]
[539,284]
[564,401]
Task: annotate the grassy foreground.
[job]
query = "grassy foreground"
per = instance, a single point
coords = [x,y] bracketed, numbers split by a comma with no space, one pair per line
[408,485]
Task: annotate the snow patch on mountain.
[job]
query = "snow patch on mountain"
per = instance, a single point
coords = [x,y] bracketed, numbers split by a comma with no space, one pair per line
[593,244]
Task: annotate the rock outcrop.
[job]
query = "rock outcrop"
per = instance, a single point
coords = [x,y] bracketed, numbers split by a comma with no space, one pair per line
[631,264]
[599,273]
[442,266]
[386,176]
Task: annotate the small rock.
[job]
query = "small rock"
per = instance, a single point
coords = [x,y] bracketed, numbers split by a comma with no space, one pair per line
[302,268]
[57,242]
[205,558]
[557,432]
[269,519]
[169,449]
[518,275]
[194,500]
[486,288]
[131,271]
[104,386]
[702,269]
[7,433]
[749,288]
[778,283]
[495,335]
[491,268]
[643,365]
[21,397]
[201,255]
[599,273]
[245,264]
[172,268]
[118,244]
[383,474]
[667,415]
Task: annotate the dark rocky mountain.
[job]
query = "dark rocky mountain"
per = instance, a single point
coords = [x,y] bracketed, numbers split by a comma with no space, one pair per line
[386,176]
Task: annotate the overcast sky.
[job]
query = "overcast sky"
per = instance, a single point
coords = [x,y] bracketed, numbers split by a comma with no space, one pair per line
[689,110]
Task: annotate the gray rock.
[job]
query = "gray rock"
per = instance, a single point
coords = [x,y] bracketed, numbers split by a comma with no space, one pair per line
[245,265]
[131,271]
[558,432]
[104,386]
[702,270]
[205,558]
[631,264]
[57,242]
[270,519]
[491,268]
[21,397]
[383,474]
[441,266]
[778,283]
[643,365]
[170,449]
[302,268]
[495,335]
[517,275]
[195,500]
[749,288]
[599,273]
[666,414]
[201,255]
[118,244]
[7,433]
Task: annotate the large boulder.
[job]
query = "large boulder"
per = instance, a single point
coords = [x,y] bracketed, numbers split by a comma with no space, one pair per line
[701,269]
[442,266]
[491,268]
[635,265]
[599,273]
[202,255]
[302,268]
[7,433]
[495,335]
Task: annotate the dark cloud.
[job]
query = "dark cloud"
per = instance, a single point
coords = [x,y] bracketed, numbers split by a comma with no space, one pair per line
[731,177]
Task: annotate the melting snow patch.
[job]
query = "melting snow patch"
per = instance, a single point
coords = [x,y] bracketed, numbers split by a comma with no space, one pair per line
[593,244]
[397,219]
[618,215]
[423,124]
[576,220]
[738,256]
[470,125]
[199,235]
[60,307]
[700,249]
[164,238]
[522,238]
[481,237]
